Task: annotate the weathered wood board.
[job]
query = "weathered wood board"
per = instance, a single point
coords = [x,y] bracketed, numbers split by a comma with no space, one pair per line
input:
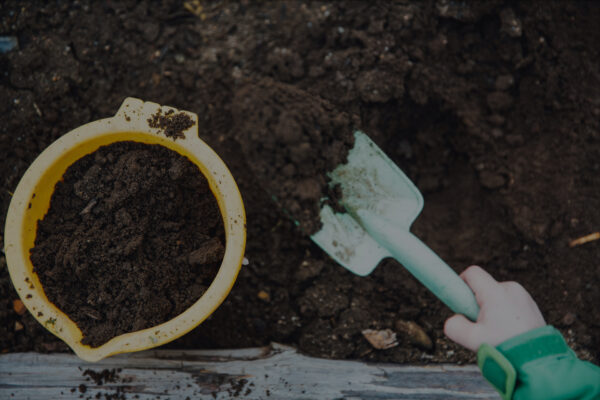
[272,372]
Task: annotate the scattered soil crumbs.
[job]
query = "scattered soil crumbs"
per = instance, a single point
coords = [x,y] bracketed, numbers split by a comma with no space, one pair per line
[237,387]
[102,378]
[132,238]
[171,124]
[291,139]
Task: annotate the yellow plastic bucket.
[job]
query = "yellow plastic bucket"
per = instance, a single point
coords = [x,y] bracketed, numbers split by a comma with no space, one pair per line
[31,200]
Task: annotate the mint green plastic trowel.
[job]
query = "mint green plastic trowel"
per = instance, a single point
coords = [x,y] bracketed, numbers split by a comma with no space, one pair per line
[381,203]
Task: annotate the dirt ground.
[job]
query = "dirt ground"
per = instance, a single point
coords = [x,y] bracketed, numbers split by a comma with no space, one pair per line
[492,108]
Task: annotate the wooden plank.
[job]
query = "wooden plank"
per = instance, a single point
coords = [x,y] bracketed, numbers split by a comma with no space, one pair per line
[272,372]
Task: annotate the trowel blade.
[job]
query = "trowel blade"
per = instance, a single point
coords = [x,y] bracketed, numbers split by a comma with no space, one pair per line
[374,185]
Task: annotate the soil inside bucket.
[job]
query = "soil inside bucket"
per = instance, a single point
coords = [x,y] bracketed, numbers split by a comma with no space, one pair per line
[133,237]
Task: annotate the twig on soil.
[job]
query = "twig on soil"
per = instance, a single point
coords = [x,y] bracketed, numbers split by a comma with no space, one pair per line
[89,207]
[585,239]
[195,7]
[90,312]
[37,109]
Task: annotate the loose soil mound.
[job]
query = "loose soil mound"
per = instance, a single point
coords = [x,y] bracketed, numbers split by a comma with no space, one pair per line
[291,139]
[491,108]
[132,238]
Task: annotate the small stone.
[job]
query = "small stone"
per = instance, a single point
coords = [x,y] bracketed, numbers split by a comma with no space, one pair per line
[179,58]
[381,340]
[511,25]
[414,333]
[210,55]
[236,72]
[19,307]
[264,296]
[18,326]
[568,319]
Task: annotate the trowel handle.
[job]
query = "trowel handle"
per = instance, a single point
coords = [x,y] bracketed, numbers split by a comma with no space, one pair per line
[424,264]
[434,273]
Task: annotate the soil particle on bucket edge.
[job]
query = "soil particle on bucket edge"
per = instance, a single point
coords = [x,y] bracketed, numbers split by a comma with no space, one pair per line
[118,248]
[170,123]
[291,139]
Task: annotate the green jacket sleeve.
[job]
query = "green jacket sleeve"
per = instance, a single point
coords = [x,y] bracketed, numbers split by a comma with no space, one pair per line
[539,365]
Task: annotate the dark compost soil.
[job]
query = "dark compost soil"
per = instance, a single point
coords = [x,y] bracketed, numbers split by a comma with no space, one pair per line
[491,108]
[133,237]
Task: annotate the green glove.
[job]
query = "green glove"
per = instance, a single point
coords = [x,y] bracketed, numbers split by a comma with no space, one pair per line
[538,365]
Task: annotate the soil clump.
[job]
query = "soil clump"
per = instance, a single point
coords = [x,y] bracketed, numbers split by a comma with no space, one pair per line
[171,124]
[291,139]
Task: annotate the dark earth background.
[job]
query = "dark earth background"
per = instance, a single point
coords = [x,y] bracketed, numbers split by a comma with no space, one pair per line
[492,108]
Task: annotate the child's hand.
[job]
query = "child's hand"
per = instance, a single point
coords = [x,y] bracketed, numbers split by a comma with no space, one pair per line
[506,310]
